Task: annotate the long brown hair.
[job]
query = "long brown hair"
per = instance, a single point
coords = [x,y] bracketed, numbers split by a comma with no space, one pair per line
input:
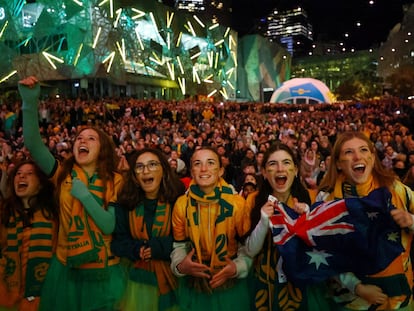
[106,163]
[132,194]
[297,189]
[384,177]
[43,200]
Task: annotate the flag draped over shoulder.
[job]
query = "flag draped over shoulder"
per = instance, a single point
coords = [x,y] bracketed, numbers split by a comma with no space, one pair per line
[348,235]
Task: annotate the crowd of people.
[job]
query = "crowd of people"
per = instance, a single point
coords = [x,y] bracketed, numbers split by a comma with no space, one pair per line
[130,204]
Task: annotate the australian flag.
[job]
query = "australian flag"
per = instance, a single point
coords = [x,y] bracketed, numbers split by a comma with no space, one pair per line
[348,235]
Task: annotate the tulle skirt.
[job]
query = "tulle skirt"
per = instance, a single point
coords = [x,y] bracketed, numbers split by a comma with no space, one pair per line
[65,289]
[145,297]
[234,298]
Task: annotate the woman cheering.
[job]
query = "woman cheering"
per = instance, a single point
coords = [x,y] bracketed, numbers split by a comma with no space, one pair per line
[143,231]
[84,275]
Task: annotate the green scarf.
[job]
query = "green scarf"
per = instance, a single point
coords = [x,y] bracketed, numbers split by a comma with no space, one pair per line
[222,201]
[26,258]
[161,227]
[344,189]
[86,244]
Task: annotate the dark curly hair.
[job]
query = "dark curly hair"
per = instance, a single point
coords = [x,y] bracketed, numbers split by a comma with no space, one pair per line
[132,194]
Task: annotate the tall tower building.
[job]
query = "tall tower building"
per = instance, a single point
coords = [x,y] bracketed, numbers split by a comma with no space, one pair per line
[190,5]
[218,11]
[292,29]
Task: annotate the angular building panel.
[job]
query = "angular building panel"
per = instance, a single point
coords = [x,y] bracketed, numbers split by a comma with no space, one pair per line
[89,40]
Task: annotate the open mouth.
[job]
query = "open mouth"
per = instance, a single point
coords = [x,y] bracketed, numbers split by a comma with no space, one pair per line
[83,150]
[359,168]
[281,180]
[22,186]
[147,181]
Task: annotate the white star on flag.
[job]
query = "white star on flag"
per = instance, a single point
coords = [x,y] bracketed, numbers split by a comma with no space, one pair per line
[318,257]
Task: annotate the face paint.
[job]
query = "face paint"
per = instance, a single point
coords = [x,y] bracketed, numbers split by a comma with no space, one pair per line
[356,161]
[280,171]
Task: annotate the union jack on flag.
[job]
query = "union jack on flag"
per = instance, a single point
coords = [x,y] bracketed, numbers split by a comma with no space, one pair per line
[326,219]
[348,235]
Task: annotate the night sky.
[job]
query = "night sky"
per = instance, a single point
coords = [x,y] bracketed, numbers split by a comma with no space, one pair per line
[331,19]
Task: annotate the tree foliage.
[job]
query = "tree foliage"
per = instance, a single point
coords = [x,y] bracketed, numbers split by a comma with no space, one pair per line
[402,81]
[363,84]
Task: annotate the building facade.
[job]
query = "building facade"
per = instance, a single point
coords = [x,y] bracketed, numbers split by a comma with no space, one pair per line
[92,43]
[292,29]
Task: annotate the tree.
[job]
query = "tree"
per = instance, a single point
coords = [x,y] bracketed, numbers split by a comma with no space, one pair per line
[363,84]
[402,81]
[348,90]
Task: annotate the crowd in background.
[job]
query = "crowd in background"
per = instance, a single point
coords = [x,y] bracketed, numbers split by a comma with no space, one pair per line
[183,240]
[240,131]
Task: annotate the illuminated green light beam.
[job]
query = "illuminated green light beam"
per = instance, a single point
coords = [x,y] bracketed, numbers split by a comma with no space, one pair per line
[8,76]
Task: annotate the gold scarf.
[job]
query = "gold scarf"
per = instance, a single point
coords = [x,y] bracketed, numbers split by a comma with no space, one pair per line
[161,227]
[343,189]
[86,244]
[25,260]
[216,229]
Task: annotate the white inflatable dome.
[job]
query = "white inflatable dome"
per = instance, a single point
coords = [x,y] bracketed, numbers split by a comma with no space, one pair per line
[302,90]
